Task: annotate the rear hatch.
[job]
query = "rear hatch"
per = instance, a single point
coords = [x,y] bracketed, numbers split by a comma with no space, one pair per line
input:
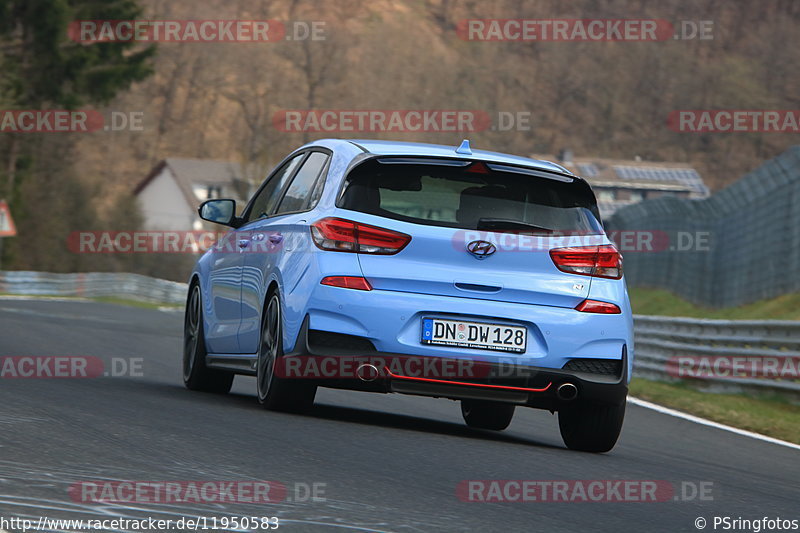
[478,229]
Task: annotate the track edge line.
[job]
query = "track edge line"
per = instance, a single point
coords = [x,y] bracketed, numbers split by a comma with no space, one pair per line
[710,423]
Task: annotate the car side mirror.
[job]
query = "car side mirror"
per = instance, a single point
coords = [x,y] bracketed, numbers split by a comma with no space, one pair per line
[219,211]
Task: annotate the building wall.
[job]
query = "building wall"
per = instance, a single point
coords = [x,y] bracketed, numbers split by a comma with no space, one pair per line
[610,199]
[164,206]
[737,246]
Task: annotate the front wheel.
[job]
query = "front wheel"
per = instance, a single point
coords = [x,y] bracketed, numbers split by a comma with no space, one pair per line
[196,375]
[278,394]
[487,415]
[591,428]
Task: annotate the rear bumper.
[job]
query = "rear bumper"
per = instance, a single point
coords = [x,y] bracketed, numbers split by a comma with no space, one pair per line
[480,380]
[539,390]
[392,323]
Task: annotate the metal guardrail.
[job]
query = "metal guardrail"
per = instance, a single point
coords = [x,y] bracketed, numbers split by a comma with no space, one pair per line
[93,285]
[660,341]
[663,344]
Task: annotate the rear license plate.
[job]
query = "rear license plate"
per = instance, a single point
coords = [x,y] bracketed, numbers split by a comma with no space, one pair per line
[478,335]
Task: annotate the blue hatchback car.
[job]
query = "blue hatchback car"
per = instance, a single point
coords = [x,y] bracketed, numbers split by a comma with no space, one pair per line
[419,269]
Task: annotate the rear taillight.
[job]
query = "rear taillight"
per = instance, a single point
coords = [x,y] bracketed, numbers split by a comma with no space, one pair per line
[596,306]
[347,282]
[340,235]
[598,261]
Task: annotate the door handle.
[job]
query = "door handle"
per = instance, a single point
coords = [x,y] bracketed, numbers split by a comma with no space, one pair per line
[477,287]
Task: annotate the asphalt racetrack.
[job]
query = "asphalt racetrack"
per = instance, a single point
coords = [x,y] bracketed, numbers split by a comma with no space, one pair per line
[373,462]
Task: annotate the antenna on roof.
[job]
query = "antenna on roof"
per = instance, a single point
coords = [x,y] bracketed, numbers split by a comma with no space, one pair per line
[464,148]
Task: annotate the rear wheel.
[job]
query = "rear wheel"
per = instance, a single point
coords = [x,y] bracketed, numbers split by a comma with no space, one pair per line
[196,375]
[483,414]
[591,428]
[273,392]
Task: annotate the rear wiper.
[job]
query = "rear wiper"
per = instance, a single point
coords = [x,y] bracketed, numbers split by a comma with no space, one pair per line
[500,224]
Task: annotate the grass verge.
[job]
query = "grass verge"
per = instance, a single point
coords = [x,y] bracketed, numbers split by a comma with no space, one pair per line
[772,417]
[103,299]
[661,302]
[135,303]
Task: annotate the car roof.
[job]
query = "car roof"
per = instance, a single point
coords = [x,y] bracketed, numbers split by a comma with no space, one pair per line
[400,148]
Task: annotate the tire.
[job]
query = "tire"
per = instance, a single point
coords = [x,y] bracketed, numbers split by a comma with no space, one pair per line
[482,414]
[274,393]
[196,375]
[591,428]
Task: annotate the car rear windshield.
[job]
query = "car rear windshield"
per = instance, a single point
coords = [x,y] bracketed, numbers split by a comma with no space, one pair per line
[472,196]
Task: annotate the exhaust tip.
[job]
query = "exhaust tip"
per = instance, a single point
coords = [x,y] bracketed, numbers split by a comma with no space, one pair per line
[567,392]
[367,372]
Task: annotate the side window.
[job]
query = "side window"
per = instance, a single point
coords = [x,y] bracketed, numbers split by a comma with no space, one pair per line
[298,195]
[268,196]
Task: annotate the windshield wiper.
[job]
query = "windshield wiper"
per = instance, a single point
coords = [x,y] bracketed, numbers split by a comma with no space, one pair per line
[500,224]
